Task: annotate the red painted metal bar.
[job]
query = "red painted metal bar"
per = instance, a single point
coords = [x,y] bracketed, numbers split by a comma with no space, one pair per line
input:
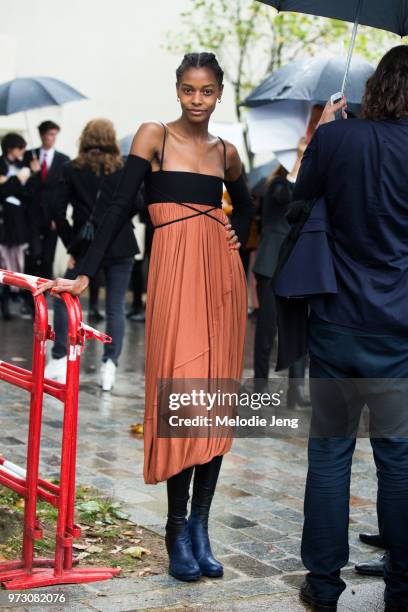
[64,540]
[23,378]
[30,571]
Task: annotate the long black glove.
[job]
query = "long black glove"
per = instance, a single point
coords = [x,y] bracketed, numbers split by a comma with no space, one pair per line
[243,209]
[120,211]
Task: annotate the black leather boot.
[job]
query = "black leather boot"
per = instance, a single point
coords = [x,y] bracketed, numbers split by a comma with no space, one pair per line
[183,564]
[205,480]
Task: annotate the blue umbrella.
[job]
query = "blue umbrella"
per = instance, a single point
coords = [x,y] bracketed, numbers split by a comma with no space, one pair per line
[312,80]
[390,15]
[23,94]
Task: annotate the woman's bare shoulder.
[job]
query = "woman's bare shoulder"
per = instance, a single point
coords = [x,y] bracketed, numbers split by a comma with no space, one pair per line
[234,163]
[147,138]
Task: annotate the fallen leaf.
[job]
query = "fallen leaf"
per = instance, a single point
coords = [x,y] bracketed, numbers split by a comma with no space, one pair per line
[144,571]
[136,551]
[95,549]
[119,514]
[82,555]
[116,550]
[136,428]
[128,533]
[80,546]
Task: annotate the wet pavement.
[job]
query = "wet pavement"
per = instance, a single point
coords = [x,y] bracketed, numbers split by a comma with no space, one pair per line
[256,518]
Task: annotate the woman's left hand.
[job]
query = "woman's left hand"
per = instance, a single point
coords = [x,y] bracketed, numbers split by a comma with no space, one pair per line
[232,238]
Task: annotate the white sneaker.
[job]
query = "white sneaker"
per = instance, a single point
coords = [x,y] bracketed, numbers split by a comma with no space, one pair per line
[56,369]
[101,373]
[108,375]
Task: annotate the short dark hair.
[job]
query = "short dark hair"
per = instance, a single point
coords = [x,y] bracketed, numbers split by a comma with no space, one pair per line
[12,140]
[201,60]
[45,126]
[386,93]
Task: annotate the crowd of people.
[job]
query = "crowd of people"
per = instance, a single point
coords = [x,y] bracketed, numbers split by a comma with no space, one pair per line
[52,196]
[347,193]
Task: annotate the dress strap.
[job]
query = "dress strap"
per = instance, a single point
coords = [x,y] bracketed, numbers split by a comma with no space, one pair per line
[197,214]
[225,155]
[164,143]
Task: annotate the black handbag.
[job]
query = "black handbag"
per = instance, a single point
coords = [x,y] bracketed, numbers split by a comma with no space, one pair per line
[86,234]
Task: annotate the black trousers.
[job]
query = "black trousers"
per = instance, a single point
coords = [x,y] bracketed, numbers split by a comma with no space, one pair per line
[40,258]
[344,358]
[265,332]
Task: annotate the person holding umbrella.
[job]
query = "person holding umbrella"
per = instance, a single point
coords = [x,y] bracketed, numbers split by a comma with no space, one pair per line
[361,332]
[275,227]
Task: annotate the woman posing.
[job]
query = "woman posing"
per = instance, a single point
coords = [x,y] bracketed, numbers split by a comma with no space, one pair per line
[196,295]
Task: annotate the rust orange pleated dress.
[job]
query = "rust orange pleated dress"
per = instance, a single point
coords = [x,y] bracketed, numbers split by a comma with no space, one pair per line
[196,307]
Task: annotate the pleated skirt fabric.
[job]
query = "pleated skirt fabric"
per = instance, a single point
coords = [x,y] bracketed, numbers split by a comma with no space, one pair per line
[196,313]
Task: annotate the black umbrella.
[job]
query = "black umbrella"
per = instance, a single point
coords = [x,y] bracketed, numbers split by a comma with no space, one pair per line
[24,94]
[390,15]
[313,80]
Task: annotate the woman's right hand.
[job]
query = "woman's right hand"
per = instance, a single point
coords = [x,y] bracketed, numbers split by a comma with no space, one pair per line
[60,285]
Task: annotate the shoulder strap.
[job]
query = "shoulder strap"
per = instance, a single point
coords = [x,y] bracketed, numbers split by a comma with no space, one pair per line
[164,143]
[225,154]
[98,195]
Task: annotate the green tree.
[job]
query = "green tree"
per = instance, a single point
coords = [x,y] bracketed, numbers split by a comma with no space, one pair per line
[251,39]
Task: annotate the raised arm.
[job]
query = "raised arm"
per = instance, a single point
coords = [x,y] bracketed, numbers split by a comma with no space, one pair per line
[243,209]
[145,145]
[311,179]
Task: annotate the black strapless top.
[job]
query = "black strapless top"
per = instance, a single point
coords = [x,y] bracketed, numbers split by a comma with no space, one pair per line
[182,186]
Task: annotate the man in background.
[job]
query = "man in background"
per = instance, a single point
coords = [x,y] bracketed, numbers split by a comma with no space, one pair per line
[44,236]
[358,337]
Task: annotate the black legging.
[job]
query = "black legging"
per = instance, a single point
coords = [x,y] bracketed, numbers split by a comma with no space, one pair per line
[205,480]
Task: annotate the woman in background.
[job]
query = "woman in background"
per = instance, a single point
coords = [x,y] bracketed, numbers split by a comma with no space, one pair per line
[275,227]
[89,183]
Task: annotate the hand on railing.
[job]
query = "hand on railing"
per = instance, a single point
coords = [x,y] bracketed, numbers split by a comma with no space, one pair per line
[60,285]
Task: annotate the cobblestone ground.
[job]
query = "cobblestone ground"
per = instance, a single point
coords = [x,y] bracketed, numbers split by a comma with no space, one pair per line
[257,511]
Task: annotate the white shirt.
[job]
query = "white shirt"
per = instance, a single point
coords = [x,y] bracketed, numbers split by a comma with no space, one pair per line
[12,170]
[48,155]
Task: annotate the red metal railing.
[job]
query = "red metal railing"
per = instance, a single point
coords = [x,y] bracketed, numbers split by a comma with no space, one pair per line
[31,571]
